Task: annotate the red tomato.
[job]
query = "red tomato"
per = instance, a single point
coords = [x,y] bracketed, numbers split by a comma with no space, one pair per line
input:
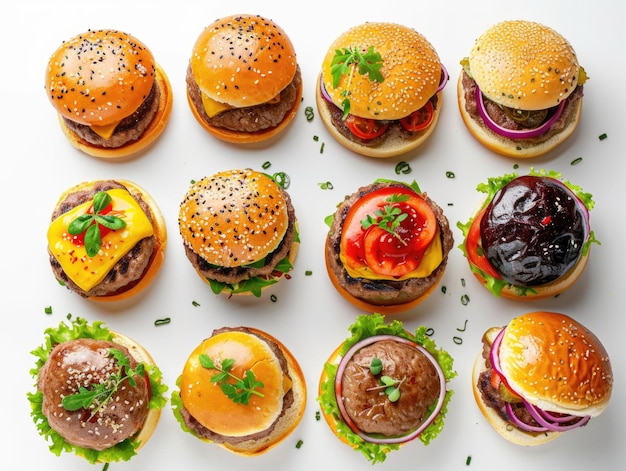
[474,251]
[420,119]
[365,128]
[79,240]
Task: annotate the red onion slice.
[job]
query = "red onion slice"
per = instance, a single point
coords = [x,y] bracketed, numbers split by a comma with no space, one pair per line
[554,426]
[344,414]
[444,79]
[516,134]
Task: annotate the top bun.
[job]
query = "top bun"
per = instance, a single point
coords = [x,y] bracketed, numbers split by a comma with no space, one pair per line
[256,60]
[411,69]
[82,88]
[524,65]
[539,347]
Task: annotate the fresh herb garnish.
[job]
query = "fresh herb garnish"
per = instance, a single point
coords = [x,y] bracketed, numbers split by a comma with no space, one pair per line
[368,63]
[100,394]
[90,223]
[242,389]
[389,384]
[388,218]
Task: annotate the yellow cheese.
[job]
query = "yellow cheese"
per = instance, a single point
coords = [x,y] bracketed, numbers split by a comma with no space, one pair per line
[105,131]
[213,107]
[83,270]
[429,263]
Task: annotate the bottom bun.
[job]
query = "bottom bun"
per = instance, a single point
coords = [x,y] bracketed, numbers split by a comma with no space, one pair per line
[152,132]
[504,428]
[390,147]
[242,137]
[511,147]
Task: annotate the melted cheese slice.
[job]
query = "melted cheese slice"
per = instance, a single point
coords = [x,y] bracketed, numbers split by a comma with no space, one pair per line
[83,270]
[105,131]
[429,263]
[213,107]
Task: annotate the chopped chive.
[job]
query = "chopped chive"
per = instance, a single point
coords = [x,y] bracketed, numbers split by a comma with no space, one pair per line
[165,320]
[273,298]
[316,138]
[430,332]
[602,136]
[48,310]
[267,164]
[322,148]
[402,167]
[576,161]
[308,112]
[468,460]
[450,174]
[195,303]
[299,444]
[308,273]
[465,300]
[457,340]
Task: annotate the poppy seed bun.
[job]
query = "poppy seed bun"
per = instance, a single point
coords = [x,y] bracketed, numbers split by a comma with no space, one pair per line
[410,66]
[524,65]
[556,363]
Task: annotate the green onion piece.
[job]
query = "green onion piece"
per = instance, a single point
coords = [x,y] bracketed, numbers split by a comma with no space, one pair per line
[48,310]
[602,136]
[308,273]
[326,185]
[273,298]
[464,327]
[318,415]
[402,167]
[299,444]
[195,303]
[468,460]
[576,161]
[316,138]
[457,340]
[465,300]
[267,164]
[444,289]
[322,148]
[165,320]
[282,179]
[308,112]
[450,174]
[430,332]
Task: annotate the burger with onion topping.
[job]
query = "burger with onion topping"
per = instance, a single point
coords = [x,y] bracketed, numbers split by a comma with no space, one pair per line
[384,387]
[112,98]
[521,88]
[541,375]
[98,392]
[244,83]
[379,90]
[531,237]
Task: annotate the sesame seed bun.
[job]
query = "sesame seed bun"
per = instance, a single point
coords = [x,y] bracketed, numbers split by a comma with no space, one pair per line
[412,73]
[103,98]
[256,427]
[156,258]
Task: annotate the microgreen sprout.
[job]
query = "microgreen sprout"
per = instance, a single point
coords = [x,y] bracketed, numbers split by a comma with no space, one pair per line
[388,218]
[390,385]
[242,389]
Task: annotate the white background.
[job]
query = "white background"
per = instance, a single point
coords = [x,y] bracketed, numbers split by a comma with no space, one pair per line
[38,164]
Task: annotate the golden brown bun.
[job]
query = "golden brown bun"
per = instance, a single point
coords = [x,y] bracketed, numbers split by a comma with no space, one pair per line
[553,345]
[221,204]
[160,234]
[230,76]
[508,432]
[389,147]
[154,130]
[209,406]
[524,65]
[411,70]
[510,147]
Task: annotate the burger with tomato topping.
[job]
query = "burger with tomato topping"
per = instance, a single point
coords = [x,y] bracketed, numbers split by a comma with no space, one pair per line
[379,90]
[531,237]
[521,89]
[387,247]
[384,387]
[113,99]
[98,393]
[244,83]
[540,376]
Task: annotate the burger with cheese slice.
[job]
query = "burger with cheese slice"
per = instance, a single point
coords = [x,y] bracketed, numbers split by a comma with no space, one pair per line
[387,247]
[540,376]
[113,100]
[240,389]
[384,386]
[239,230]
[106,239]
[98,393]
[379,90]
[521,89]
[531,237]
[244,83]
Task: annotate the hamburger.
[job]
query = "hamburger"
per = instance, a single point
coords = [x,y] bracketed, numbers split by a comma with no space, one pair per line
[379,90]
[239,231]
[240,389]
[106,239]
[530,238]
[384,387]
[113,100]
[540,376]
[521,88]
[244,83]
[98,393]
[387,246]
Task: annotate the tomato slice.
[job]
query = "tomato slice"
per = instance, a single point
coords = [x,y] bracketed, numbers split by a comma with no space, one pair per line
[420,119]
[365,128]
[474,250]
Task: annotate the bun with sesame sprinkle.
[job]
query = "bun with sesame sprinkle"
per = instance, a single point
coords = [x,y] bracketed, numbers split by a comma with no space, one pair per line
[239,231]
[379,90]
[244,83]
[113,100]
[540,376]
[520,90]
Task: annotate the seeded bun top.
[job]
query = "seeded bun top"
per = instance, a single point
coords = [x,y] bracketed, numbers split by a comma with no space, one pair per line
[524,65]
[234,218]
[411,70]
[539,347]
[243,60]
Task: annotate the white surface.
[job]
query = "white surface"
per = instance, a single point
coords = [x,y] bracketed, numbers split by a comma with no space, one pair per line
[37,164]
